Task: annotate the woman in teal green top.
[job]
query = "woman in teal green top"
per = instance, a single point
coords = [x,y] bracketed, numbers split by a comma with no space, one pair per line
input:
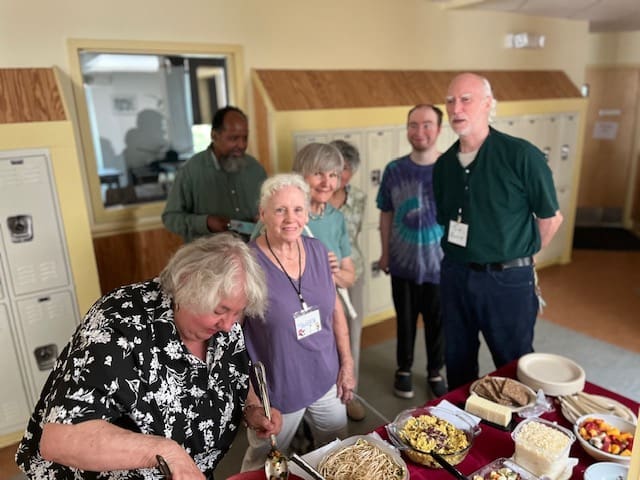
[321,165]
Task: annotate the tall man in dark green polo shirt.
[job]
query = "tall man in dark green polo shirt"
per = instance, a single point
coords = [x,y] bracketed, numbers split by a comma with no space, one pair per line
[496,200]
[219,184]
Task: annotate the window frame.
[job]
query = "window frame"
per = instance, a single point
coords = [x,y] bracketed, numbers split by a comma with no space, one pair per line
[139,216]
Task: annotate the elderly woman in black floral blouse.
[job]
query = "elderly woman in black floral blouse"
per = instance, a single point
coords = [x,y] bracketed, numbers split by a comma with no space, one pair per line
[156,368]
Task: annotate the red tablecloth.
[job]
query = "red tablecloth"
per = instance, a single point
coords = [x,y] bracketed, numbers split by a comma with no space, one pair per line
[492,442]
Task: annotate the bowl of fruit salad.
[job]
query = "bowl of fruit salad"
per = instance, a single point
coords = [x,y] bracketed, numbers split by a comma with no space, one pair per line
[605,437]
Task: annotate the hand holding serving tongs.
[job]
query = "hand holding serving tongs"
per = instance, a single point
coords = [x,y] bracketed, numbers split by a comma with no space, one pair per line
[275,466]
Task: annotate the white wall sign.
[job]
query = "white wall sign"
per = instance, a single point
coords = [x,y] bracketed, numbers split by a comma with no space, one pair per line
[613,112]
[605,130]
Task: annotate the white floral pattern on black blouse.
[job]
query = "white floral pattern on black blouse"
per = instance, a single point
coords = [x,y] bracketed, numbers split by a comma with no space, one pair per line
[126,364]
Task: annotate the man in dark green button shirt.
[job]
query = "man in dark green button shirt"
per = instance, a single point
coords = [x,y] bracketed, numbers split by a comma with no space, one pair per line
[219,184]
[496,200]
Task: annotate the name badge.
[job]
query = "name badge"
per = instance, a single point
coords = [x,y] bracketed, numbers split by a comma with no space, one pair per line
[458,232]
[307,322]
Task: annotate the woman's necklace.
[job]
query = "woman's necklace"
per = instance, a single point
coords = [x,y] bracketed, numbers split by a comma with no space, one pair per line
[298,289]
[316,216]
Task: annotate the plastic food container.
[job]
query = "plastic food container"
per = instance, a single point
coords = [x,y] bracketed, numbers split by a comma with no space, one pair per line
[485,473]
[453,455]
[542,447]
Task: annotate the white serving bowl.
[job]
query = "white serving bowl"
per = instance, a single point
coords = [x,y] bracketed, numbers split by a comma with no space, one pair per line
[617,422]
[606,471]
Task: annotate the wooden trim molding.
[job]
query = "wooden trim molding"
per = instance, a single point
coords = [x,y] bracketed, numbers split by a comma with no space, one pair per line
[330,89]
[131,257]
[30,95]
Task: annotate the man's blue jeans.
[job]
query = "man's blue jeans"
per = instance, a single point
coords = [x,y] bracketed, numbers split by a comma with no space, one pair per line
[502,305]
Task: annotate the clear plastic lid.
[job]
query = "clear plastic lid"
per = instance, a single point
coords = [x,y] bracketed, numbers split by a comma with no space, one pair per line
[498,465]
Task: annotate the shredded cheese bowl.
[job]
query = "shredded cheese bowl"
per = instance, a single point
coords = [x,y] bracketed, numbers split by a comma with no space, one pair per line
[420,431]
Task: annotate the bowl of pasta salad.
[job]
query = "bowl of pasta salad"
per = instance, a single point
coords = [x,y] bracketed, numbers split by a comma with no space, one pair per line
[363,456]
[418,432]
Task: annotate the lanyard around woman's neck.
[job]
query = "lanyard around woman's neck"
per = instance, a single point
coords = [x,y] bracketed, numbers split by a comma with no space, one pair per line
[299,288]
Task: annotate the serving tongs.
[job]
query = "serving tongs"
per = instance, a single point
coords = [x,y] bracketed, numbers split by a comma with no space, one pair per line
[395,440]
[276,466]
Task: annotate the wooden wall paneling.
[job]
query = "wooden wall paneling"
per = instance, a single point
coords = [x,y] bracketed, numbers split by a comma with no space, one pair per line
[330,89]
[30,95]
[261,124]
[604,181]
[131,257]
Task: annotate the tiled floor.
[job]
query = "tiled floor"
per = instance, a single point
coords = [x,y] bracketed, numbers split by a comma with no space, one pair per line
[598,294]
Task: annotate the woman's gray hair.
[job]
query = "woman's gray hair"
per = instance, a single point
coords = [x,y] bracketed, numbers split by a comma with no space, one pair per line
[277,182]
[210,269]
[318,157]
[349,153]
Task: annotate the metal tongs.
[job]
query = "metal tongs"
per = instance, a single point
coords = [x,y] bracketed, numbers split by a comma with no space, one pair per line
[275,466]
[164,467]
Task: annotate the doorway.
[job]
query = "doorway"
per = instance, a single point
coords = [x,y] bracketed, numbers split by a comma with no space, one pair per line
[609,166]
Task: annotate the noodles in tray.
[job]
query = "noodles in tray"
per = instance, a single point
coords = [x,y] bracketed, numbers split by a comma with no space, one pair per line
[361,461]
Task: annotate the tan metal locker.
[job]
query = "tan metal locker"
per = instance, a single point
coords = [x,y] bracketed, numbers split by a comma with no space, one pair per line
[14,404]
[381,149]
[41,309]
[514,126]
[46,324]
[555,250]
[377,284]
[447,138]
[565,155]
[30,226]
[301,139]
[355,138]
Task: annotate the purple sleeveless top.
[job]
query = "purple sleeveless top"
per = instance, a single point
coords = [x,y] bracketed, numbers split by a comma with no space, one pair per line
[299,372]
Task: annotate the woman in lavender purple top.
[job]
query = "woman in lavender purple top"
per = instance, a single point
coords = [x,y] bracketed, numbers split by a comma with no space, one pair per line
[303,339]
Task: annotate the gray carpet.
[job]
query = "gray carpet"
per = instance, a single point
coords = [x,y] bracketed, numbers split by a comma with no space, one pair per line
[605,365]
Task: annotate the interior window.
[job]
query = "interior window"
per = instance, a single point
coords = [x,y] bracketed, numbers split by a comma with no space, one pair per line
[142,114]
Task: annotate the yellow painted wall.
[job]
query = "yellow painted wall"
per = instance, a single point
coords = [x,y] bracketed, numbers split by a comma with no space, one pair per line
[614,49]
[354,34]
[58,138]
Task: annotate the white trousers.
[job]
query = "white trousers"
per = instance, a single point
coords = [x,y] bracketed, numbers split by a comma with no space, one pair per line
[327,418]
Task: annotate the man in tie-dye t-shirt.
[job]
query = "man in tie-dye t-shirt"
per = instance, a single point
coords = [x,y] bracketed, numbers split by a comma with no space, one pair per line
[411,252]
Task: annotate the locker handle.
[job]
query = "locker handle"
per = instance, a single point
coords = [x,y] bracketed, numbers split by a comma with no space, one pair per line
[375,177]
[44,299]
[375,269]
[564,152]
[17,161]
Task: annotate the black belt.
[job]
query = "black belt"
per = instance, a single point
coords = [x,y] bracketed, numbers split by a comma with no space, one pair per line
[499,266]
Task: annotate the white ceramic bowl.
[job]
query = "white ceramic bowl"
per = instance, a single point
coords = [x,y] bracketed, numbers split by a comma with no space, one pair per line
[606,471]
[617,422]
[554,374]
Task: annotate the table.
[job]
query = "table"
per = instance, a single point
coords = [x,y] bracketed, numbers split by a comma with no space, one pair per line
[492,442]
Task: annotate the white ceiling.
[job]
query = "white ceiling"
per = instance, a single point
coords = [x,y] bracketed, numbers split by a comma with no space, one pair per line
[603,15]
